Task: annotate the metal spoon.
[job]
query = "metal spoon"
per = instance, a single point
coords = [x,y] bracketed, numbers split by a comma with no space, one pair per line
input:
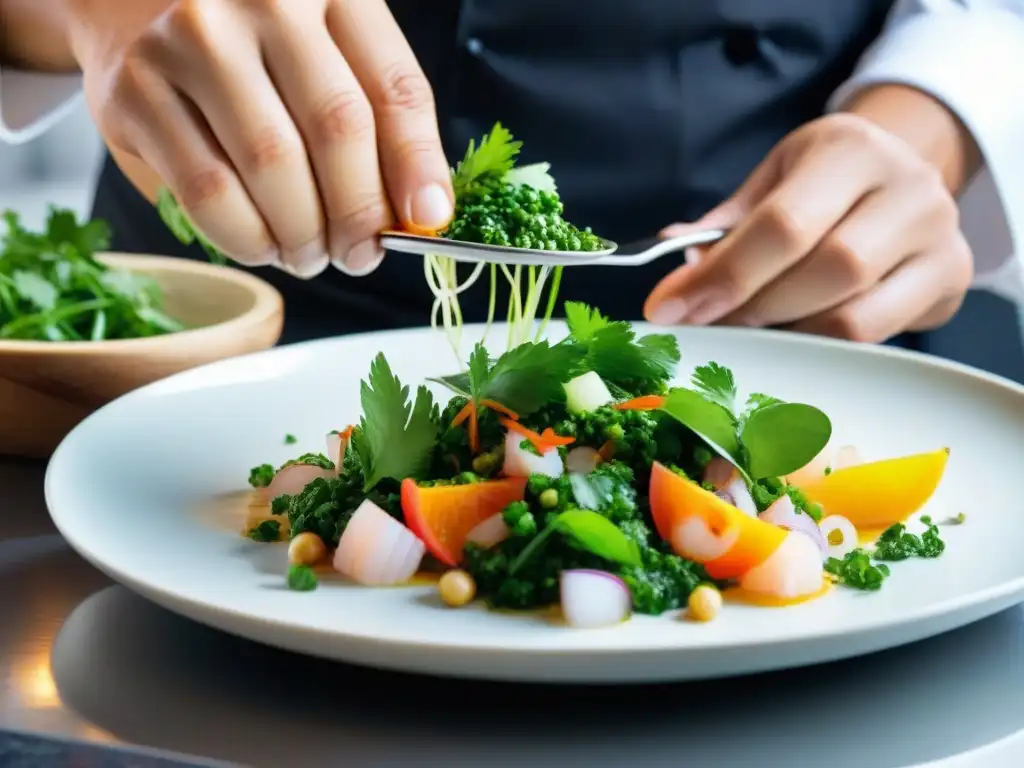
[634,256]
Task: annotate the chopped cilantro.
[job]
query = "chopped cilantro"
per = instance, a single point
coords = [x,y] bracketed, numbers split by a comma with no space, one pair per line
[857,571]
[301,578]
[312,459]
[395,438]
[896,543]
[261,476]
[489,162]
[266,531]
[290,439]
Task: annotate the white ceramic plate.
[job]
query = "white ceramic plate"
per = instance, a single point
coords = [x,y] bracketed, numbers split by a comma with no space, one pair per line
[131,490]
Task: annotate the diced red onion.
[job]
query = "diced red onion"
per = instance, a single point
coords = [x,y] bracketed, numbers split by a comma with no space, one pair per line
[594,598]
[846,529]
[292,479]
[490,532]
[792,571]
[377,550]
[336,447]
[783,514]
[729,485]
[582,460]
[523,462]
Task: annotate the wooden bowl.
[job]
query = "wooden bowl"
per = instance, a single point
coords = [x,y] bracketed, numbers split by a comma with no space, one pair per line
[46,388]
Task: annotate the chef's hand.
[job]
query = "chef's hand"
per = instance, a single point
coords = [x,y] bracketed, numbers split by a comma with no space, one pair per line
[290,132]
[846,229]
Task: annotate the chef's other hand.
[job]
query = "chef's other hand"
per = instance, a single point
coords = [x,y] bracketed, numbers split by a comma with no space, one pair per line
[290,132]
[844,230]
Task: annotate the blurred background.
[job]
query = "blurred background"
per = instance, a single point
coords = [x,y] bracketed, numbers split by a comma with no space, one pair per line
[58,168]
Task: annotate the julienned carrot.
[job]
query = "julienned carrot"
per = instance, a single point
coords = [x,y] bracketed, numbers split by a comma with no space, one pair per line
[543,442]
[607,451]
[473,429]
[469,412]
[645,403]
[499,408]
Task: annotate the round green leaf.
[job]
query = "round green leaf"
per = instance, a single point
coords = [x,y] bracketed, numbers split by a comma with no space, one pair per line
[783,437]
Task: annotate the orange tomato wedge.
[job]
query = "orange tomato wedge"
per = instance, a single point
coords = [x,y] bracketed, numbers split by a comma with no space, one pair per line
[880,493]
[442,516]
[680,503]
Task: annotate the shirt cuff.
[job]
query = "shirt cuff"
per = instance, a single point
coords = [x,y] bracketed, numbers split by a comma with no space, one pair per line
[31,102]
[971,61]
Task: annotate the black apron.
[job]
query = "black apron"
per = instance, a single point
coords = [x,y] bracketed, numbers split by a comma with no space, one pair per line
[649,114]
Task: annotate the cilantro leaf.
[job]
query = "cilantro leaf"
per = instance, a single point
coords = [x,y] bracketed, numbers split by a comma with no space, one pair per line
[494,158]
[262,476]
[756,402]
[52,288]
[530,376]
[614,353]
[583,321]
[717,384]
[479,372]
[395,438]
[182,227]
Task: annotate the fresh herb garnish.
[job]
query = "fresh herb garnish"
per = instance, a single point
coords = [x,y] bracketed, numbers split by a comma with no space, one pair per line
[592,531]
[857,571]
[896,543]
[593,491]
[182,227]
[266,531]
[636,366]
[782,437]
[290,439]
[52,288]
[395,438]
[312,459]
[261,476]
[770,438]
[301,578]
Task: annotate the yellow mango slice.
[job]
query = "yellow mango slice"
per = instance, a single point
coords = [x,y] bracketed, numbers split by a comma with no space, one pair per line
[880,493]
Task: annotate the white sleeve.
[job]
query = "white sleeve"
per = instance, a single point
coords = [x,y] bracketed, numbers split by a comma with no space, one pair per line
[968,54]
[31,102]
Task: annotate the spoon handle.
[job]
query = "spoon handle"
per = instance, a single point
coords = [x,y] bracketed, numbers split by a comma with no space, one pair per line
[662,248]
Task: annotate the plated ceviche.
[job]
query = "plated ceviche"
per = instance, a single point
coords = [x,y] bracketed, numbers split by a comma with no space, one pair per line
[574,474]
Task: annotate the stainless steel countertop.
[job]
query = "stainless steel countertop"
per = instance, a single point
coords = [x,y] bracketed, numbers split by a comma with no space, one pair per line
[84,658]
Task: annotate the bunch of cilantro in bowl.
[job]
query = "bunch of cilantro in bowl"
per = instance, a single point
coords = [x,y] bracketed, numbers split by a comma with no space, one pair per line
[54,288]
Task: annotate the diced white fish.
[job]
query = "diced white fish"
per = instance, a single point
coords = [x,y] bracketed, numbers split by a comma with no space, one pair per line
[793,570]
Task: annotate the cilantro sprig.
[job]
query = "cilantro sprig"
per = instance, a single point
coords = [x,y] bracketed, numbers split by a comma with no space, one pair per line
[395,438]
[52,288]
[633,366]
[524,379]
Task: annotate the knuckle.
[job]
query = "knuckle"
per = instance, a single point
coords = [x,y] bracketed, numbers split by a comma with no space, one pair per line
[405,87]
[202,187]
[192,21]
[784,228]
[345,114]
[847,265]
[363,218]
[267,148]
[847,324]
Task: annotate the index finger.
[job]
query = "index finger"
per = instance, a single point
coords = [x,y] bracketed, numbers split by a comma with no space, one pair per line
[412,158]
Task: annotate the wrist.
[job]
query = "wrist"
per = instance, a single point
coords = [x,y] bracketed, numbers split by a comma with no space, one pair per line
[926,125]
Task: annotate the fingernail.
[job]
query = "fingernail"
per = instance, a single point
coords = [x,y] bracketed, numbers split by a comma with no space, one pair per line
[308,261]
[362,259]
[431,207]
[706,309]
[668,312]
